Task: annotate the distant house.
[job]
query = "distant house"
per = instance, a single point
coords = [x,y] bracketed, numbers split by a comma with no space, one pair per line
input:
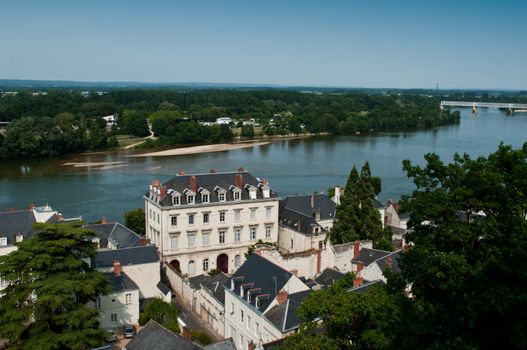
[155,336]
[304,222]
[111,120]
[224,121]
[371,263]
[114,236]
[121,305]
[261,299]
[3,127]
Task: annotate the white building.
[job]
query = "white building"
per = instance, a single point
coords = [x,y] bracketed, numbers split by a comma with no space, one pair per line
[207,221]
[224,121]
[304,222]
[261,300]
[121,305]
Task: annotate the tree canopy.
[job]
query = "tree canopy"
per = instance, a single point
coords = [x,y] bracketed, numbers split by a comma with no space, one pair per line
[44,305]
[356,216]
[135,220]
[161,312]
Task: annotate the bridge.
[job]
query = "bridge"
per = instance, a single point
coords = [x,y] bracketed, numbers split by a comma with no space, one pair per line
[511,107]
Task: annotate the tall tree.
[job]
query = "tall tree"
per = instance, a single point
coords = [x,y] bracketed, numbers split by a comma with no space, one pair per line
[135,220]
[44,305]
[468,263]
[161,312]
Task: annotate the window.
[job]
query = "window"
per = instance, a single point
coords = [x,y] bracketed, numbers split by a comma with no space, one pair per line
[241,341]
[221,196]
[252,193]
[19,238]
[248,322]
[97,302]
[173,241]
[241,316]
[267,231]
[128,298]
[256,328]
[266,193]
[173,220]
[176,200]
[157,217]
[237,234]
[204,198]
[222,236]
[190,199]
[291,245]
[253,213]
[206,236]
[236,196]
[3,241]
[222,216]
[150,213]
[191,219]
[191,239]
[252,233]
[237,215]
[205,218]
[205,264]
[232,308]
[237,261]
[113,318]
[191,267]
[268,212]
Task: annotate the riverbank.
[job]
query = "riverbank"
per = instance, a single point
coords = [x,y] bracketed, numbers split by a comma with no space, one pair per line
[201,149]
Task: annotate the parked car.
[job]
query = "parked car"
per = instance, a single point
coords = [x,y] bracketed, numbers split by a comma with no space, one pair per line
[111,336]
[128,331]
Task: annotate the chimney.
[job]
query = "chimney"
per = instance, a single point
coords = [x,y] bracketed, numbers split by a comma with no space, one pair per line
[241,170]
[313,201]
[181,173]
[282,297]
[238,180]
[155,183]
[192,183]
[142,241]
[251,346]
[12,209]
[213,171]
[103,221]
[162,192]
[405,248]
[396,207]
[264,181]
[357,282]
[356,249]
[31,206]
[186,333]
[337,195]
[389,261]
[117,268]
[59,217]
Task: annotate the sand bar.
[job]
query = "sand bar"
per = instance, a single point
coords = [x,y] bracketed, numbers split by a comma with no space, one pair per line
[201,149]
[91,164]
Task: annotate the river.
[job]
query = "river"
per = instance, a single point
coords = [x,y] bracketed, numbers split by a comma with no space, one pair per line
[292,166]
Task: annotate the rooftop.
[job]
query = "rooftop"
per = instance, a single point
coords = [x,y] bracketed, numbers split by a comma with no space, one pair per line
[126,256]
[120,235]
[368,256]
[19,223]
[309,204]
[329,276]
[120,283]
[284,316]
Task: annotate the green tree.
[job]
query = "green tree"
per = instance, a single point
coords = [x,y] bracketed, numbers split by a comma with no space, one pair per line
[44,305]
[247,131]
[468,275]
[133,122]
[161,312]
[163,119]
[135,220]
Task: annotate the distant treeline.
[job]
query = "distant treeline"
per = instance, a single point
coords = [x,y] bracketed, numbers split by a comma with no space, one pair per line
[71,120]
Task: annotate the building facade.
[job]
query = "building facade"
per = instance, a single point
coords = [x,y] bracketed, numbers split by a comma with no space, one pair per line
[208,221]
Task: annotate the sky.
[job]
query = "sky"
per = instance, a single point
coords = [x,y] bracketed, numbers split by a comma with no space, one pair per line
[347,43]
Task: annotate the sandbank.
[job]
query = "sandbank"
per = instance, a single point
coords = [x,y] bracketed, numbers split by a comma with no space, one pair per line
[200,149]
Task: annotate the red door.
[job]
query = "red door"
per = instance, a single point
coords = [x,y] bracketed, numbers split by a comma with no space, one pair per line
[222,263]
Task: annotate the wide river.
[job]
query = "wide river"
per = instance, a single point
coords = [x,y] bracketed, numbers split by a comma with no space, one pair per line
[292,166]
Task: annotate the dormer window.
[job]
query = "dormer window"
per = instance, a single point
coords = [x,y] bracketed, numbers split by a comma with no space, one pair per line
[221,196]
[236,196]
[252,191]
[176,200]
[3,241]
[204,198]
[190,199]
[19,238]
[266,193]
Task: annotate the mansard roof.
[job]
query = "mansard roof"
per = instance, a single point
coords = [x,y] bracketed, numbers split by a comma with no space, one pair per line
[297,221]
[368,256]
[311,203]
[266,278]
[284,316]
[19,223]
[120,235]
[120,283]
[126,256]
[214,183]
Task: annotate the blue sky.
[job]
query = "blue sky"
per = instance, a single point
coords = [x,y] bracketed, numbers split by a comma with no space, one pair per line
[368,43]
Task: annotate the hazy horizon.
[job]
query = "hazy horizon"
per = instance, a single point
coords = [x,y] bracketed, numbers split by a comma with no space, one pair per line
[352,44]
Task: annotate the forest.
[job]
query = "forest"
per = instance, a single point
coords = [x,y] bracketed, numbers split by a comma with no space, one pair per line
[71,121]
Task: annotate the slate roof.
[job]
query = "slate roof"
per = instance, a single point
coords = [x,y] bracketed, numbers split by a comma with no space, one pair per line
[365,286]
[163,288]
[225,344]
[127,256]
[120,283]
[15,223]
[298,221]
[284,316]
[329,276]
[195,282]
[262,274]
[377,204]
[155,336]
[302,204]
[390,262]
[211,182]
[368,256]
[121,236]
[215,286]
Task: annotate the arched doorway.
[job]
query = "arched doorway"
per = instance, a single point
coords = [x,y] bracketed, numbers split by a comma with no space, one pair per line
[222,263]
[175,264]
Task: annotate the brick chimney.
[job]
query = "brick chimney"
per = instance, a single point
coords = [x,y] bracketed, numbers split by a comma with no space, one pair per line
[396,207]
[143,241]
[181,173]
[251,346]
[117,268]
[59,217]
[187,335]
[356,249]
[103,220]
[162,192]
[357,282]
[389,261]
[282,297]
[241,170]
[405,248]
[155,183]
[238,180]
[264,181]
[192,183]
[213,171]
